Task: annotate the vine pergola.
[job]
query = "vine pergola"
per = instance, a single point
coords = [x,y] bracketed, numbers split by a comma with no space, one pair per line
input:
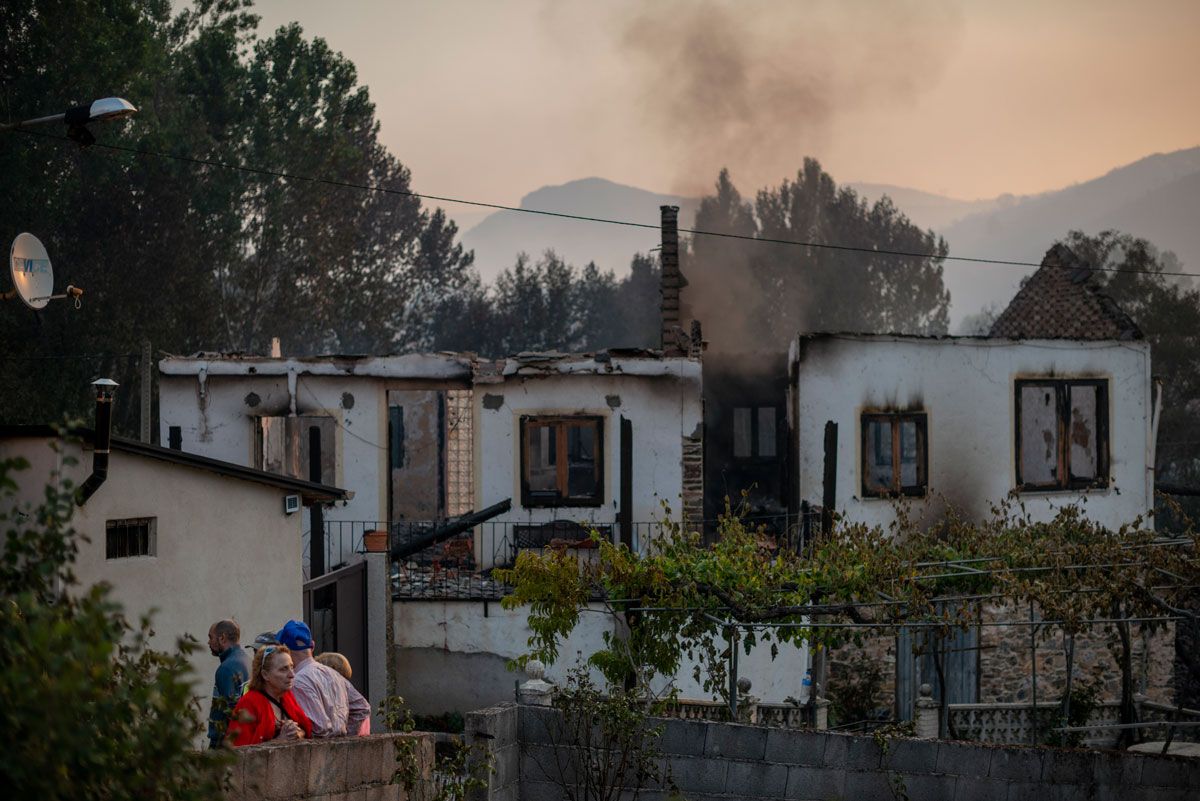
[683,599]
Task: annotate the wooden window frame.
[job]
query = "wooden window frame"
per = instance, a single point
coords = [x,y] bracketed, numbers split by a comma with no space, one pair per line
[531,500]
[1062,400]
[897,490]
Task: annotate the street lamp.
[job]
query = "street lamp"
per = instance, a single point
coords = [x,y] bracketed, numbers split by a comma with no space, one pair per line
[77,118]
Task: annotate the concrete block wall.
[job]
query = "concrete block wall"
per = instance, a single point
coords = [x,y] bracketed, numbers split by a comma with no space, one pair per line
[708,760]
[492,734]
[339,769]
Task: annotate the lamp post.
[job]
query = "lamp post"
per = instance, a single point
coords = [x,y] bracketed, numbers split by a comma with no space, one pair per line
[77,118]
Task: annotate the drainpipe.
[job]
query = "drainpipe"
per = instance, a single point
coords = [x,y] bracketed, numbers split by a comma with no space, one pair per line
[106,390]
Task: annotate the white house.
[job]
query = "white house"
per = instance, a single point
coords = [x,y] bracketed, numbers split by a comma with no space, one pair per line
[394,429]
[192,539]
[965,421]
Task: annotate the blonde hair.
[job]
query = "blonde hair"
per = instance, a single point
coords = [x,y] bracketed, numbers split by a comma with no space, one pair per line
[332,659]
[262,661]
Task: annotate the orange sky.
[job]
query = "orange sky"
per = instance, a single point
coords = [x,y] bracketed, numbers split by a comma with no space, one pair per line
[490,100]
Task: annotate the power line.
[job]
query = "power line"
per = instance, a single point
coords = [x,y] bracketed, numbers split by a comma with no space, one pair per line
[579,217]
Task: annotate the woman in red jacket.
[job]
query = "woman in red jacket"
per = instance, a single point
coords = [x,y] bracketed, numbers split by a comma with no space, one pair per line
[268,711]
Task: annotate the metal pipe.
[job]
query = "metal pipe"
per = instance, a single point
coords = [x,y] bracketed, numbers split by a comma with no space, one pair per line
[106,390]
[401,551]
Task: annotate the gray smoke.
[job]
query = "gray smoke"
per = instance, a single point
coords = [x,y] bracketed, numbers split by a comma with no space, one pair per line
[755,85]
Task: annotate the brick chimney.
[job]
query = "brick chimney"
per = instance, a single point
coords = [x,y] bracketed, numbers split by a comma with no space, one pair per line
[670,281]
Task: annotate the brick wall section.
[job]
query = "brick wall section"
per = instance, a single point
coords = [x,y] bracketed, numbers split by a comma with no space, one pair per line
[340,769]
[693,478]
[671,278]
[726,761]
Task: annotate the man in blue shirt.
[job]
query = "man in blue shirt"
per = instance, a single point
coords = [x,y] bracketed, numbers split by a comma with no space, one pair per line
[234,671]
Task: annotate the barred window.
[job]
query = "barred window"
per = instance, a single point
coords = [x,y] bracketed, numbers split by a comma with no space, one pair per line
[136,536]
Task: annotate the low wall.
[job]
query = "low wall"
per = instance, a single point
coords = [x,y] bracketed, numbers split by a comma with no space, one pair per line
[338,769]
[724,761]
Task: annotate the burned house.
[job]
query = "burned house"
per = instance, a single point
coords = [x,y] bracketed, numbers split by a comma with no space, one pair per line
[964,421]
[1056,407]
[396,428]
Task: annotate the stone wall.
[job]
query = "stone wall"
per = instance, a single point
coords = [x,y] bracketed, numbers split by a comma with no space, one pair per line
[339,769]
[840,667]
[1006,660]
[709,761]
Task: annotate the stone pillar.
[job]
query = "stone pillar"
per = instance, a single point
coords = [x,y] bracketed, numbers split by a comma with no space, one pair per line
[822,714]
[537,691]
[925,714]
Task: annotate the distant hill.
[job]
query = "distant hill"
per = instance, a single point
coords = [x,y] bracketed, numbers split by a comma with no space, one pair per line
[1156,197]
[501,236]
[928,210]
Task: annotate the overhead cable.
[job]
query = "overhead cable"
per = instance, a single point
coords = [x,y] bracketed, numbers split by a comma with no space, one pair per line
[579,217]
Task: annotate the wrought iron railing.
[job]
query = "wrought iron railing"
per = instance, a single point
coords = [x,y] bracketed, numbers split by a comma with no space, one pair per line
[461,566]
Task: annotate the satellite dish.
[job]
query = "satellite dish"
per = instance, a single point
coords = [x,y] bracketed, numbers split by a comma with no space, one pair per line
[32,274]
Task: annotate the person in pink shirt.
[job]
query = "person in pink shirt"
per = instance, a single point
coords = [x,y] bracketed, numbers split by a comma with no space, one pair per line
[332,659]
[330,702]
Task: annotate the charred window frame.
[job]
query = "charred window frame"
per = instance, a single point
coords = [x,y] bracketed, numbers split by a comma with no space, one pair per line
[895,454]
[562,460]
[756,433]
[1072,450]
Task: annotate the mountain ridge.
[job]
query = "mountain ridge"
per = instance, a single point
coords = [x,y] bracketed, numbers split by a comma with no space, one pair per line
[1151,197]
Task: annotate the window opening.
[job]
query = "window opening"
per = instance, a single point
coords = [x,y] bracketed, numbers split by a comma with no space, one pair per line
[1062,433]
[562,462]
[132,537]
[894,454]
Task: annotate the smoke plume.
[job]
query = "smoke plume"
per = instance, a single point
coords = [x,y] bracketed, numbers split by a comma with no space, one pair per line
[755,85]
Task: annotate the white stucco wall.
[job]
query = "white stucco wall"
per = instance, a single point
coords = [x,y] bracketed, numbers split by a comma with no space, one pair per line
[225,548]
[966,387]
[459,632]
[663,409]
[220,424]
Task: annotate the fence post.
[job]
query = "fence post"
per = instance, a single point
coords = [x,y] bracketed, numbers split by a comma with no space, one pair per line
[925,714]
[822,721]
[536,691]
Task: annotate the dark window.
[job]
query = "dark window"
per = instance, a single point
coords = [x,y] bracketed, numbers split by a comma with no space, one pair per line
[755,432]
[894,454]
[134,537]
[1062,433]
[287,446]
[562,461]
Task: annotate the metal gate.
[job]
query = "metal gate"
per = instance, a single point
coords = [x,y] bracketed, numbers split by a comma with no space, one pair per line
[335,608]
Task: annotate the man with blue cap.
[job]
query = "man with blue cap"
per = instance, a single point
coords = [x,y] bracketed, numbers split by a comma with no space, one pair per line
[331,703]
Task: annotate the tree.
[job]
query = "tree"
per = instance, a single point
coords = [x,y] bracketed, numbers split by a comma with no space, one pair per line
[781,289]
[193,256]
[88,710]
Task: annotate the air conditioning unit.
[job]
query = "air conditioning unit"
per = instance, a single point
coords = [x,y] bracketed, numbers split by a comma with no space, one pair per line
[291,504]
